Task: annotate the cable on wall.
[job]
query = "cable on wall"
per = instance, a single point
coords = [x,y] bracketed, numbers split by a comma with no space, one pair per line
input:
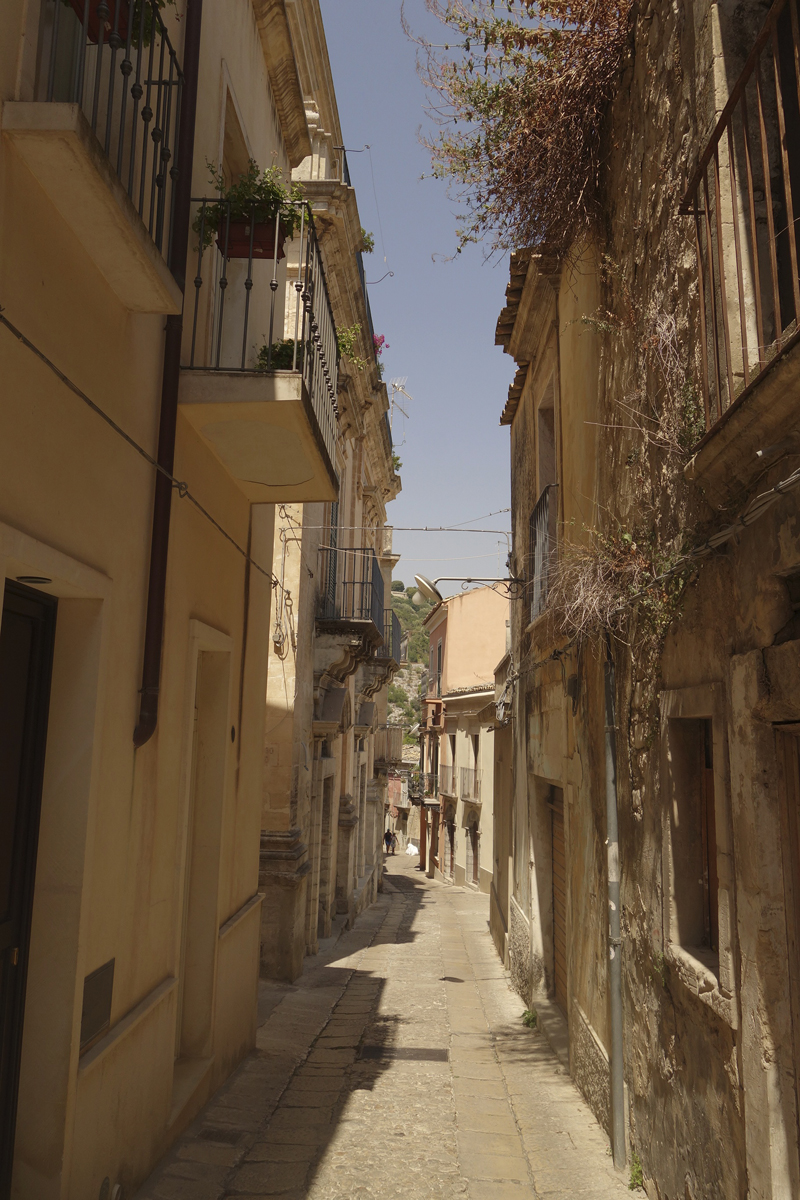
[180,486]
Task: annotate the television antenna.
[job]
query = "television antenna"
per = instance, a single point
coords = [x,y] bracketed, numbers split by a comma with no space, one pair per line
[398,385]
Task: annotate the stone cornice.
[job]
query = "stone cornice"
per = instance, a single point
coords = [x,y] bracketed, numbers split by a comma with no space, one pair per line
[531,296]
[276,43]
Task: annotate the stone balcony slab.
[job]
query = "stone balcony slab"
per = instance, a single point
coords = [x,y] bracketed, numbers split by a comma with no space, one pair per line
[65,157]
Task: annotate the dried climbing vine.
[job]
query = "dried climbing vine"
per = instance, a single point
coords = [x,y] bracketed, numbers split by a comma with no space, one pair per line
[519,97]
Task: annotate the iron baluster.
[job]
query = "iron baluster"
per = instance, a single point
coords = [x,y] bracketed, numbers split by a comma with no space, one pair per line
[103,13]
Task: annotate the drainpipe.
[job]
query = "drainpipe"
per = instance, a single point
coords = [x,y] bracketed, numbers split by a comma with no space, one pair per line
[614,937]
[170,379]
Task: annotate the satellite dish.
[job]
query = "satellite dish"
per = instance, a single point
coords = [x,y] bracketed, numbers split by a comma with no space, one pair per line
[428,589]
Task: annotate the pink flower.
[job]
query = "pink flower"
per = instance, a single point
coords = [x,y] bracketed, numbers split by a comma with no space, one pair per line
[380,344]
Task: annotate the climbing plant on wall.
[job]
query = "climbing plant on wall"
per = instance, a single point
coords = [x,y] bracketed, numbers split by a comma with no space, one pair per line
[519,96]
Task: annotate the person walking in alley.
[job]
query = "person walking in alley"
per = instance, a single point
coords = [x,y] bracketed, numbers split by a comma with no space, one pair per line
[394,843]
[387,838]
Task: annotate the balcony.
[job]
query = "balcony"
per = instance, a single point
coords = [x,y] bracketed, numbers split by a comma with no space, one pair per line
[352,591]
[744,202]
[264,402]
[388,745]
[434,716]
[435,684]
[395,643]
[101,139]
[447,781]
[471,784]
[542,551]
[429,785]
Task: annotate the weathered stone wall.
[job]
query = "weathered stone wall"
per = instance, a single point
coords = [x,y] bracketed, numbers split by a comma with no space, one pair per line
[684,1061]
[708,1042]
[519,952]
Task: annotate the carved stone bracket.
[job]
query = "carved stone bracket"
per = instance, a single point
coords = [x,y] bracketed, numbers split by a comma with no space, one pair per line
[373,675]
[338,650]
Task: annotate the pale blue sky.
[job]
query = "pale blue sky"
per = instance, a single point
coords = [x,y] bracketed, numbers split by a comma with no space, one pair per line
[438,316]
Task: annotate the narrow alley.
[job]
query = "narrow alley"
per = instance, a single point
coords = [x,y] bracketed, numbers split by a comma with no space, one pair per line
[397,1065]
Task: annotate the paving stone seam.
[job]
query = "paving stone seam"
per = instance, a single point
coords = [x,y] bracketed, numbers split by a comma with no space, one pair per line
[495,1055]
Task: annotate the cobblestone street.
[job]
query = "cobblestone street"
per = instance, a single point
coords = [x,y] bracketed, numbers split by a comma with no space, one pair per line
[397,1065]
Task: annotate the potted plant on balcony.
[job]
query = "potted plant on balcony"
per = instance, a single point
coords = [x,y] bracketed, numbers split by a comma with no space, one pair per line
[252,207]
[282,357]
[103,14]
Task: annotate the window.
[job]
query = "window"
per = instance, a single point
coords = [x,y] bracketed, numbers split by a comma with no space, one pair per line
[542,520]
[694,836]
[698,893]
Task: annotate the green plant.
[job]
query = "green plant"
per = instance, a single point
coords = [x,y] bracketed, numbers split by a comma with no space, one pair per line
[637,1176]
[397,462]
[347,339]
[282,357]
[258,196]
[398,585]
[367,241]
[142,30]
[660,967]
[529,1018]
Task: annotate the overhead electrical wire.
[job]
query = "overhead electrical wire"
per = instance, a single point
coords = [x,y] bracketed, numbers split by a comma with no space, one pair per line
[180,486]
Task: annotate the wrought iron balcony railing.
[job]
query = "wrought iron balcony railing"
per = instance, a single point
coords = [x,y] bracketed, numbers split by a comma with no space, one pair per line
[238,321]
[114,59]
[542,549]
[435,684]
[389,744]
[352,586]
[471,784]
[447,781]
[394,643]
[744,197]
[429,785]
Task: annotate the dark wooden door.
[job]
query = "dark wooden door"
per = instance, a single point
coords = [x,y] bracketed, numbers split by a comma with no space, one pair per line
[559,897]
[26,656]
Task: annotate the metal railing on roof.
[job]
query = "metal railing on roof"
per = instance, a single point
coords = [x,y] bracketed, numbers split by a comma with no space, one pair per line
[744,197]
[114,59]
[237,292]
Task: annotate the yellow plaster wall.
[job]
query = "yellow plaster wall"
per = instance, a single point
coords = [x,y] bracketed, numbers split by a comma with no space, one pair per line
[476,637]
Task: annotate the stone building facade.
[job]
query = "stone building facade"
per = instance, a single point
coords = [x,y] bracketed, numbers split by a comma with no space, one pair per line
[333,653]
[657,399]
[147,443]
[467,636]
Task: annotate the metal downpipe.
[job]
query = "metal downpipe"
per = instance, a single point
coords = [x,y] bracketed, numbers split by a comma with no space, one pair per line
[614,925]
[170,379]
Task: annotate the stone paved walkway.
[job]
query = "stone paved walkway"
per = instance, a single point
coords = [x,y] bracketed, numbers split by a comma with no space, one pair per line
[397,1066]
